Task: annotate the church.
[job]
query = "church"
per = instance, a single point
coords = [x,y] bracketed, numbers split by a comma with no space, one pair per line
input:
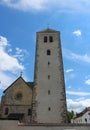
[44,99]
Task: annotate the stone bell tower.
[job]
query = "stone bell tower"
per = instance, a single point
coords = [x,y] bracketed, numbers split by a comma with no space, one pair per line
[49,98]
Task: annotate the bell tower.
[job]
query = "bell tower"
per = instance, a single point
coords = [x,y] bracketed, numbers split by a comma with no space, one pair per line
[49,98]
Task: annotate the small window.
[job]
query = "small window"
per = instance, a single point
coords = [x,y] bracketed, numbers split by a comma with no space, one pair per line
[29,112]
[45,38]
[49,109]
[6,111]
[85,119]
[48,63]
[48,52]
[50,39]
[48,76]
[48,92]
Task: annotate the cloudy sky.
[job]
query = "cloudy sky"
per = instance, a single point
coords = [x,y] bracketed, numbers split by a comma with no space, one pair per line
[19,22]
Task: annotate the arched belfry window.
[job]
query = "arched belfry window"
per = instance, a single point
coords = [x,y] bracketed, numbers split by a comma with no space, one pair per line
[6,111]
[45,38]
[48,52]
[50,39]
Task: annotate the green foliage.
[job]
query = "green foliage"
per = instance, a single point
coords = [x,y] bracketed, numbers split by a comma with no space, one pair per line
[70,115]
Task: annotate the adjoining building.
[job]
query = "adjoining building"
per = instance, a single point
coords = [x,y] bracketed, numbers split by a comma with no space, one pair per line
[46,102]
[16,101]
[82,117]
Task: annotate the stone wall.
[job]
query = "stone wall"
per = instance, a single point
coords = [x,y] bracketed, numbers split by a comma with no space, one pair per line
[14,125]
[17,99]
[49,98]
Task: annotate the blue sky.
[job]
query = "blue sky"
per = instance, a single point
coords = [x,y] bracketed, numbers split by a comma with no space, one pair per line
[19,22]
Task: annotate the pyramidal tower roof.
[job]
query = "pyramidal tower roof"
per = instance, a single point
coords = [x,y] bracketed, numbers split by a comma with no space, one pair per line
[48,30]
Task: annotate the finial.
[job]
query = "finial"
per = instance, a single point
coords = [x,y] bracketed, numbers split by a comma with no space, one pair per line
[21,73]
[48,26]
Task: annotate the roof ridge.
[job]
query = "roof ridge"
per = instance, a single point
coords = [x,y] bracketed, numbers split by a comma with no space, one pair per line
[48,30]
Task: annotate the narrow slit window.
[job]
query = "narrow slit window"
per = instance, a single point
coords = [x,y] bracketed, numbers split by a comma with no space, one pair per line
[49,109]
[48,76]
[48,63]
[48,92]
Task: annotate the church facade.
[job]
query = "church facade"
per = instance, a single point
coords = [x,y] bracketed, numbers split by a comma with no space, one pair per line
[44,100]
[16,101]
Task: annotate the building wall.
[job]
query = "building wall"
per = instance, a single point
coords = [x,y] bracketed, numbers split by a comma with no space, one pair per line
[49,90]
[85,118]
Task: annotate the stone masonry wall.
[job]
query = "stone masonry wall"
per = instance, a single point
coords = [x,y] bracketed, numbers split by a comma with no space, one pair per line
[49,107]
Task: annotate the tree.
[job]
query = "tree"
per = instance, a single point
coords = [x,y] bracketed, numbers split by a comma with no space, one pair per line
[70,115]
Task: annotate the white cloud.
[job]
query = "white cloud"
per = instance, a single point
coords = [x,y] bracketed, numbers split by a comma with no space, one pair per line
[5,80]
[3,41]
[9,65]
[62,5]
[25,4]
[87,82]
[69,70]
[20,54]
[9,50]
[69,87]
[69,75]
[76,57]
[78,93]
[78,105]
[77,33]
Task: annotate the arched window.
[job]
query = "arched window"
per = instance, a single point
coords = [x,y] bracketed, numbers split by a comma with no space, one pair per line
[29,112]
[48,52]
[50,39]
[6,111]
[45,38]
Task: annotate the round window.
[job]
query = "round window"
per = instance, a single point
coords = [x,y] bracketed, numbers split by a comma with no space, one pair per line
[18,95]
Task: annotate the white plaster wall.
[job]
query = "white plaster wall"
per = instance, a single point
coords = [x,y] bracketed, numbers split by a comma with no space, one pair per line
[86,116]
[81,120]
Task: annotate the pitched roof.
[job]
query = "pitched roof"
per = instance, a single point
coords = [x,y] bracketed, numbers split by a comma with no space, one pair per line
[48,30]
[82,113]
[30,84]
